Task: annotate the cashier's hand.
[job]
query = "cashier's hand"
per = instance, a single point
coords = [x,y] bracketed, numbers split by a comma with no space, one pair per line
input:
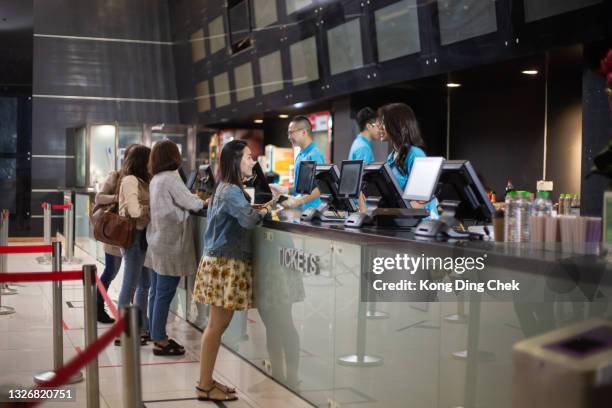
[278,189]
[293,202]
[418,204]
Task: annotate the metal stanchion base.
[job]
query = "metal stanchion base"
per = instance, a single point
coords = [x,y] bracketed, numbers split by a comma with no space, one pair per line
[6,291]
[43,260]
[483,356]
[6,310]
[47,375]
[71,261]
[457,318]
[354,360]
[375,314]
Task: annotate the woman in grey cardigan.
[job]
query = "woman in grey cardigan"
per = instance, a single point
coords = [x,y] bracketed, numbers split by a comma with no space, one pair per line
[171,252]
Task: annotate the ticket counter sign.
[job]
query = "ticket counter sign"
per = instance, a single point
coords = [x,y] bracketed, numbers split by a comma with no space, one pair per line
[300,261]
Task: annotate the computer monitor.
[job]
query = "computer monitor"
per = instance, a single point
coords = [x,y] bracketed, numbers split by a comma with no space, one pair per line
[258,181]
[460,184]
[423,178]
[305,181]
[206,179]
[380,187]
[190,183]
[327,178]
[351,172]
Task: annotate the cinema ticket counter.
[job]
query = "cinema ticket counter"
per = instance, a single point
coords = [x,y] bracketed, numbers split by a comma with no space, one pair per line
[321,329]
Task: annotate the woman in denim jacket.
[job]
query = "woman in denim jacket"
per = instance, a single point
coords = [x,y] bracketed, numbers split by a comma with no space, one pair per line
[224,278]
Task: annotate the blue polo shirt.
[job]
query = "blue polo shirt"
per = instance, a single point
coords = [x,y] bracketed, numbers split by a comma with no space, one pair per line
[310,152]
[402,179]
[361,149]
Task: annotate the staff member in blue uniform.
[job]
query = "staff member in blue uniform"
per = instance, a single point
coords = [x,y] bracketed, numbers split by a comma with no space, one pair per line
[399,126]
[361,149]
[300,135]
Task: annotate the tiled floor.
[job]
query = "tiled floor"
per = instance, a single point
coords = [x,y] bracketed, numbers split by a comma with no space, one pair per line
[26,348]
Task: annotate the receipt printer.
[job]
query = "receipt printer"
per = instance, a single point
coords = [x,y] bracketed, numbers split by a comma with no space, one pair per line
[567,368]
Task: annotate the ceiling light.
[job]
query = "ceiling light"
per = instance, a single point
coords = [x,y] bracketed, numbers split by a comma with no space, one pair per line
[258,121]
[530,72]
[453,85]
[299,105]
[282,116]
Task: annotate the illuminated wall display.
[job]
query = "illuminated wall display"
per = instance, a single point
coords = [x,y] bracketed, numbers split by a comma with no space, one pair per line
[202,96]
[295,5]
[304,61]
[344,47]
[222,95]
[463,19]
[216,34]
[539,9]
[264,12]
[198,51]
[243,77]
[397,30]
[271,72]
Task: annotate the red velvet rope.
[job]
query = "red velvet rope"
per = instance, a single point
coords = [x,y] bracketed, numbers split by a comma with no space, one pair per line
[25,249]
[40,276]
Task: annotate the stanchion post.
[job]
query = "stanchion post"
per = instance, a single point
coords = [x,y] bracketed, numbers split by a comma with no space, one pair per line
[69,234]
[58,333]
[46,258]
[91,334]
[4,220]
[130,351]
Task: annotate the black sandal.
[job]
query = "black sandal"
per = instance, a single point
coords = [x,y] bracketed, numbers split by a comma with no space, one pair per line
[222,387]
[169,349]
[228,396]
[143,341]
[175,344]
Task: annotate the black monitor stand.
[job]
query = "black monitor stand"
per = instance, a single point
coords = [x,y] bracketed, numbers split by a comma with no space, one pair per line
[386,217]
[445,225]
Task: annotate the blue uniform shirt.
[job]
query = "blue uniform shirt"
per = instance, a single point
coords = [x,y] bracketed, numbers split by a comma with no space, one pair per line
[361,149]
[310,152]
[402,179]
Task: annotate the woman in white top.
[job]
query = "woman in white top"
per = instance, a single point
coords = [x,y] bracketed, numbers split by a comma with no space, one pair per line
[134,202]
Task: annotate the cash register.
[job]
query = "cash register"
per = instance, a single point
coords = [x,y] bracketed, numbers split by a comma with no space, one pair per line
[386,206]
[326,177]
[462,198]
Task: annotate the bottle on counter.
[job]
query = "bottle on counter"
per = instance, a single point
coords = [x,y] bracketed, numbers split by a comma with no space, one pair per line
[510,217]
[542,204]
[575,205]
[562,202]
[522,209]
[509,187]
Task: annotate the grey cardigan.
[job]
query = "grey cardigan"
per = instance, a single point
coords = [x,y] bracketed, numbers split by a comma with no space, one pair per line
[170,233]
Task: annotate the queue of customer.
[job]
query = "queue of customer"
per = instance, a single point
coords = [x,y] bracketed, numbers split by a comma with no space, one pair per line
[150,190]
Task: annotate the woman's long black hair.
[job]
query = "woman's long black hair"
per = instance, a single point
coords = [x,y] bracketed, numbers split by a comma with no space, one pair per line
[403,130]
[229,165]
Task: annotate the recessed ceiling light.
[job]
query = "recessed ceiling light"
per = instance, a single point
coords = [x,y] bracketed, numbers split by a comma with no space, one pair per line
[453,85]
[282,116]
[530,72]
[258,120]
[299,105]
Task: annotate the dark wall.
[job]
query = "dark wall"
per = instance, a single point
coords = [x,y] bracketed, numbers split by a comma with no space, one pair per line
[498,126]
[123,71]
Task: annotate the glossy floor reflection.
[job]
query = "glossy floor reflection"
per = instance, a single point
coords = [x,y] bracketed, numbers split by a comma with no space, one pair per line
[26,348]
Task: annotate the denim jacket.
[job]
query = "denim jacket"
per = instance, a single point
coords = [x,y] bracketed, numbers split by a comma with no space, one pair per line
[230,216]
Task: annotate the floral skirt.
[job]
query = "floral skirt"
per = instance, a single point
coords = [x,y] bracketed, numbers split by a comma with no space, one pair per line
[224,282]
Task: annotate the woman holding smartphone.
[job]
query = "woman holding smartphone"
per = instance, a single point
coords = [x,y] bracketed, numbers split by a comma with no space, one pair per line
[224,277]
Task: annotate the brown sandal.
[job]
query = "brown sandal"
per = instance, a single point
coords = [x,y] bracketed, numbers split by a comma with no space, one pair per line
[207,397]
[222,387]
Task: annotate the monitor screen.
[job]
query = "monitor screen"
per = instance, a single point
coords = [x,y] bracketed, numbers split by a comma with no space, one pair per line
[190,183]
[207,180]
[350,178]
[459,182]
[259,182]
[381,188]
[423,178]
[305,177]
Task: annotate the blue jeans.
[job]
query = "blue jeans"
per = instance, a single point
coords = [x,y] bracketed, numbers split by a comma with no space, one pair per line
[162,292]
[112,264]
[135,273]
